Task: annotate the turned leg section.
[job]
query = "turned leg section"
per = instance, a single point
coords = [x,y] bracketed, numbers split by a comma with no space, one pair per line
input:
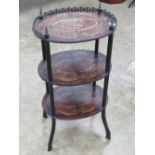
[52,134]
[108,133]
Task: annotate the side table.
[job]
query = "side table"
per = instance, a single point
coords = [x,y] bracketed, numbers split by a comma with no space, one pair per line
[74,72]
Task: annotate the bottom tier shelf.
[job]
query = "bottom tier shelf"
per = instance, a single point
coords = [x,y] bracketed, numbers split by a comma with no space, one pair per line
[75,102]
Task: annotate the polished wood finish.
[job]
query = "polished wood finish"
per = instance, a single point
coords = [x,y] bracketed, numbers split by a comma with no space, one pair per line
[75,102]
[74,67]
[73,25]
[112,1]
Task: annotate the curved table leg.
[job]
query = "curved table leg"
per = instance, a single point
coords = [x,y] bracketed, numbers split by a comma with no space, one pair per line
[52,134]
[47,91]
[108,133]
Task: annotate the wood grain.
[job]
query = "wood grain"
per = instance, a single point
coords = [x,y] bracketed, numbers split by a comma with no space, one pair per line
[75,102]
[74,67]
[73,26]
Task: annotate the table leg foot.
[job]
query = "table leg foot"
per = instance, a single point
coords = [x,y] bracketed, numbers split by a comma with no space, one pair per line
[49,148]
[108,136]
[108,133]
[51,135]
[44,114]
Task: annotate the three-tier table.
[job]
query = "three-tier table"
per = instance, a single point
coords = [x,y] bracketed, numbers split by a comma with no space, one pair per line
[74,73]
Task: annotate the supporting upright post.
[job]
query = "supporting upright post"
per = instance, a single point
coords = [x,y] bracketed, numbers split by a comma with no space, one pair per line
[106,81]
[44,58]
[43,49]
[99,8]
[51,91]
[96,47]
[96,55]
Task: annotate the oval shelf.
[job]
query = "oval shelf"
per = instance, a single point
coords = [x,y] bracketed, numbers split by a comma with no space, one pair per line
[75,102]
[73,25]
[74,67]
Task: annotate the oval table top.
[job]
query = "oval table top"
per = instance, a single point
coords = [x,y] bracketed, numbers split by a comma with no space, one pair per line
[73,25]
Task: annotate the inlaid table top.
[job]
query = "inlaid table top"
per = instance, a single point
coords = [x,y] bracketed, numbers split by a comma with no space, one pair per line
[74,25]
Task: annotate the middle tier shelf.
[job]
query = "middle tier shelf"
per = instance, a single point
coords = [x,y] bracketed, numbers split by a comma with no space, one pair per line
[74,67]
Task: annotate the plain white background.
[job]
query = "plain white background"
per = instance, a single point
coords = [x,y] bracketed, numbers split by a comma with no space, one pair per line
[145,77]
[9,78]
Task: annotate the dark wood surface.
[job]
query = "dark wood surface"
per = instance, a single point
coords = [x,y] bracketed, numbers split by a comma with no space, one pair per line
[112,1]
[75,102]
[74,67]
[73,25]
